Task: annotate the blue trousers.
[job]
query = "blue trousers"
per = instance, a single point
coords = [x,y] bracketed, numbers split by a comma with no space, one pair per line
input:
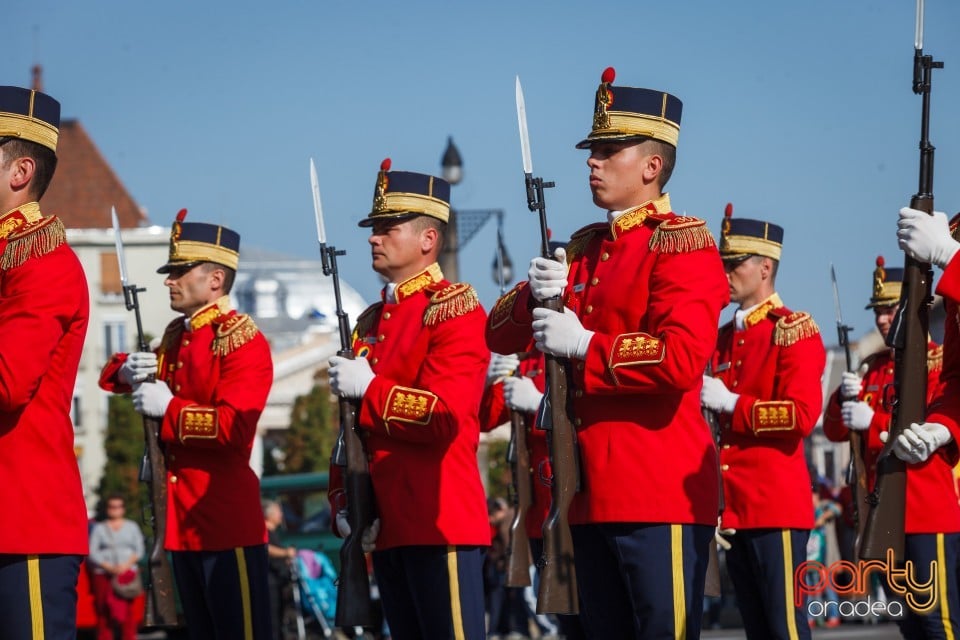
[224,594]
[432,592]
[941,551]
[762,564]
[38,596]
[641,581]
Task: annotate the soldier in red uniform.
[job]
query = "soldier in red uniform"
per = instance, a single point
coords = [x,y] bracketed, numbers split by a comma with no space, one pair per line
[766,388]
[214,371]
[932,445]
[643,292]
[44,309]
[932,511]
[419,376]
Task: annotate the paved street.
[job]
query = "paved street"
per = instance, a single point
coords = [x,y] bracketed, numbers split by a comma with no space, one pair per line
[874,632]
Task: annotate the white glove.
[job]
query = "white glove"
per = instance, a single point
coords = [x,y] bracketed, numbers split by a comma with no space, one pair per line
[521,394]
[548,278]
[720,532]
[350,378]
[368,541]
[560,334]
[151,398]
[715,396]
[926,238]
[850,386]
[501,366]
[138,366]
[918,441]
[856,415]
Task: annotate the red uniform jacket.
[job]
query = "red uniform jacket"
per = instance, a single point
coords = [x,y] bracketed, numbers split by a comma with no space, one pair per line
[220,371]
[44,308]
[932,505]
[775,364]
[651,286]
[420,413]
[494,412]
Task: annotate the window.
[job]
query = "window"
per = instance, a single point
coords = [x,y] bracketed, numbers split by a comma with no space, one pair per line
[114,337]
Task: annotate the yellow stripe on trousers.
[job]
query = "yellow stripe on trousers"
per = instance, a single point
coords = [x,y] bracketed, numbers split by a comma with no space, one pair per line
[244,594]
[679,598]
[789,608]
[942,579]
[453,576]
[36,596]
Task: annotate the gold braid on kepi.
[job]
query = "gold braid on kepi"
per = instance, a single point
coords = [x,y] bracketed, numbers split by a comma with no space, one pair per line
[631,113]
[31,115]
[887,285]
[194,242]
[681,235]
[403,194]
[452,301]
[793,328]
[742,237]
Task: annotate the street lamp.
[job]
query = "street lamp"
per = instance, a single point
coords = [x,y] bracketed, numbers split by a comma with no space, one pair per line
[465,223]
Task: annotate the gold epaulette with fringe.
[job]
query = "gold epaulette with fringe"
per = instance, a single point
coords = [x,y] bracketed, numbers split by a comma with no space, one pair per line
[365,320]
[793,328]
[452,301]
[33,241]
[935,358]
[681,235]
[581,238]
[955,227]
[233,333]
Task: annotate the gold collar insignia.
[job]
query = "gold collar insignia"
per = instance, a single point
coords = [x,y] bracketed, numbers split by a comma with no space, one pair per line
[419,282]
[18,218]
[209,313]
[758,314]
[635,216]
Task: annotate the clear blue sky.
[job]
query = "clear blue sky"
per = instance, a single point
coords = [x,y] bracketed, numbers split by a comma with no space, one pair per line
[800,113]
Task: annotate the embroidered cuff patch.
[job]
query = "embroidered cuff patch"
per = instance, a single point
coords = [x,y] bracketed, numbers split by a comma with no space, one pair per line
[409,405]
[630,349]
[503,308]
[777,415]
[198,422]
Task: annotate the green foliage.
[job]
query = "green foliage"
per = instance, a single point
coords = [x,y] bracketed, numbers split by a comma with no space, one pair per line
[123,446]
[498,469]
[313,430]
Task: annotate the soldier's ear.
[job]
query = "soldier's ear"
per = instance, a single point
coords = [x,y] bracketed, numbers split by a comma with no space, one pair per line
[429,239]
[23,169]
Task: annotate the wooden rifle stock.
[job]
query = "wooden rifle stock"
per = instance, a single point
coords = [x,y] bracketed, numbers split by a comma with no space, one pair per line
[354,605]
[558,576]
[161,606]
[518,455]
[884,528]
[908,336]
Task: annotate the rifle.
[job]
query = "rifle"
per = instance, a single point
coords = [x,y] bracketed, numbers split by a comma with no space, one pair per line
[857,473]
[712,583]
[518,456]
[558,577]
[161,605]
[908,338]
[354,605]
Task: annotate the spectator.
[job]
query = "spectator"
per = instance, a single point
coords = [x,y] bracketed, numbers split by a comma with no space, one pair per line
[116,545]
[279,558]
[826,511]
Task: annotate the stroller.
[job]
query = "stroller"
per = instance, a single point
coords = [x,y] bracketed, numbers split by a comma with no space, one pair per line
[315,590]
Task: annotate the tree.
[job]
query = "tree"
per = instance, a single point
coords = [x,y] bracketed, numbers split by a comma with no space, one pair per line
[499,473]
[313,430]
[123,446]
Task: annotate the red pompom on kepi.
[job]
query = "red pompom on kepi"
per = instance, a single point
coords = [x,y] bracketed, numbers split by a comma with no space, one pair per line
[880,261]
[385,165]
[608,75]
[728,211]
[181,215]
